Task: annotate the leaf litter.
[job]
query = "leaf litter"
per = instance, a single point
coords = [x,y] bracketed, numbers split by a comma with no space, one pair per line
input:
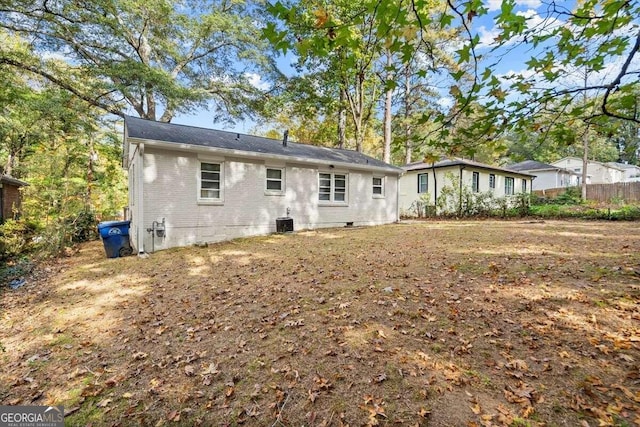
[477,323]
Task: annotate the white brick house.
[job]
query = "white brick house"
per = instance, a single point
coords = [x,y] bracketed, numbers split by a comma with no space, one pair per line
[203,185]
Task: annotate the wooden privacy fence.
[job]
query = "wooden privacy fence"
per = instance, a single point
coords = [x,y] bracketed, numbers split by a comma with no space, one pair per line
[627,191]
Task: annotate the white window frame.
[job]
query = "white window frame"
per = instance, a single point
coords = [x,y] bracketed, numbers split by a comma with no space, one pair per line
[492,181]
[475,181]
[270,191]
[509,179]
[380,195]
[211,200]
[332,188]
[524,185]
[426,187]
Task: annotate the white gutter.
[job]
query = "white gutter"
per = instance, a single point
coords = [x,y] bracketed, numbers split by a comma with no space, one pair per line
[256,155]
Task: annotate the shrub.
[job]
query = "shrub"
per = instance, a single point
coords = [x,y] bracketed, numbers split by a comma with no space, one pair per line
[572,196]
[16,237]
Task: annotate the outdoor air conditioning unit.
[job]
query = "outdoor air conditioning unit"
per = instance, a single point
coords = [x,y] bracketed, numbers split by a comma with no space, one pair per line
[284,225]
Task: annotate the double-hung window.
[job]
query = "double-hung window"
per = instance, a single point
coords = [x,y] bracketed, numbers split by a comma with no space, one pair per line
[492,181]
[275,181]
[475,183]
[524,185]
[378,186]
[508,186]
[210,182]
[332,187]
[423,183]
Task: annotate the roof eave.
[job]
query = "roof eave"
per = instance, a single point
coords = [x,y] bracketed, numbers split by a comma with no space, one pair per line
[255,155]
[14,181]
[427,167]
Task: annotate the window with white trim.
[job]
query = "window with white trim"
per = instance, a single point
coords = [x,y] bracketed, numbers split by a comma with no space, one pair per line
[378,186]
[210,182]
[524,185]
[423,182]
[508,186]
[275,181]
[492,181]
[332,187]
[475,182]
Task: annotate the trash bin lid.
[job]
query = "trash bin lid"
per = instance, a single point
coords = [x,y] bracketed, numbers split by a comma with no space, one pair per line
[105,224]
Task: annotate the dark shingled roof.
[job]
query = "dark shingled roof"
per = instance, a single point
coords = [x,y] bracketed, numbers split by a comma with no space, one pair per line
[459,162]
[530,165]
[11,180]
[534,165]
[181,134]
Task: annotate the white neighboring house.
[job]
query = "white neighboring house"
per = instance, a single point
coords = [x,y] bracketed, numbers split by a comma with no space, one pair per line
[547,176]
[419,183]
[193,185]
[631,172]
[597,173]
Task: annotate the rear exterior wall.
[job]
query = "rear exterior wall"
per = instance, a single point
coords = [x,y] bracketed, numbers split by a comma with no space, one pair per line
[170,192]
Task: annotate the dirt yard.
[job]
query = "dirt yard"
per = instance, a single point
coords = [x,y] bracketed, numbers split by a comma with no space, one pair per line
[437,323]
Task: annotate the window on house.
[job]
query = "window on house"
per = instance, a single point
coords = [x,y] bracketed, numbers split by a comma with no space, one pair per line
[332,187]
[378,186]
[524,185]
[210,179]
[475,183]
[492,181]
[423,181]
[508,186]
[275,180]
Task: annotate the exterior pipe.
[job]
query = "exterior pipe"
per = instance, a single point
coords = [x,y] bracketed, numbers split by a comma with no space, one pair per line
[398,197]
[140,185]
[460,201]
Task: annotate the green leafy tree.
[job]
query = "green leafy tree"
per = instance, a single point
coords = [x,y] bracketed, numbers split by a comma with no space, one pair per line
[592,35]
[157,57]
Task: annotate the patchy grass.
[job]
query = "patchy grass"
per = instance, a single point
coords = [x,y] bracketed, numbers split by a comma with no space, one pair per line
[432,323]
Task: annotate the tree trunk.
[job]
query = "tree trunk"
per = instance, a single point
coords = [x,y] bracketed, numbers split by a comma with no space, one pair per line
[342,120]
[407,114]
[585,161]
[90,171]
[585,143]
[388,97]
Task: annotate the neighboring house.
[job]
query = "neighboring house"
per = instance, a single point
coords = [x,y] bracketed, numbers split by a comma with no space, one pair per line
[10,198]
[193,185]
[631,172]
[597,173]
[418,183]
[547,176]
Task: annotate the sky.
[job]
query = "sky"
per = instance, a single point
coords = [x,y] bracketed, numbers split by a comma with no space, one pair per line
[512,61]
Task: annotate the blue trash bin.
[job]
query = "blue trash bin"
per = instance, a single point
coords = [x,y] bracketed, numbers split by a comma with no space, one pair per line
[115,237]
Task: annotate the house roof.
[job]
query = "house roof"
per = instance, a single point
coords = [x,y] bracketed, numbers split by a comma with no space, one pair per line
[589,161]
[460,162]
[11,180]
[534,165]
[240,143]
[622,165]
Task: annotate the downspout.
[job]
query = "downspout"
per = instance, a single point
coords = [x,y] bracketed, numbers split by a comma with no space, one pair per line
[398,196]
[140,184]
[460,201]
[435,189]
